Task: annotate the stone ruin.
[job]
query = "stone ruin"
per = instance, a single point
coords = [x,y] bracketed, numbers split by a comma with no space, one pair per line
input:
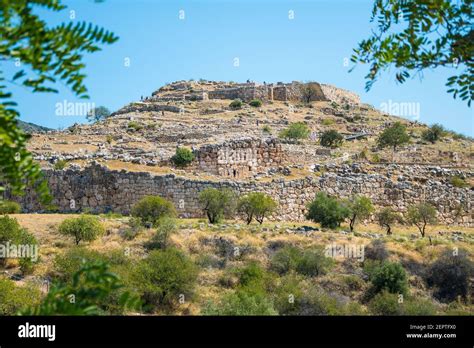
[240,158]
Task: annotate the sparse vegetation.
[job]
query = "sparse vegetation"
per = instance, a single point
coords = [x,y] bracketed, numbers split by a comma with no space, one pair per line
[459,182]
[296,131]
[434,133]
[60,164]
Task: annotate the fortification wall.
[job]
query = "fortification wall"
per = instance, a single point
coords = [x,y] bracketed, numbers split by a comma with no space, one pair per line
[102,190]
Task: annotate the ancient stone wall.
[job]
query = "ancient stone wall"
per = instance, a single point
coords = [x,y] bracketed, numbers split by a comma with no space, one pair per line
[101,190]
[239,158]
[340,96]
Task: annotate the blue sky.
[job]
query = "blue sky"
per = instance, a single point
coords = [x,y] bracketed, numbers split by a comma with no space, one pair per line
[270,46]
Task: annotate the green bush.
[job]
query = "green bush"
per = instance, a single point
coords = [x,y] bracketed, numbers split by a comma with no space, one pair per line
[331,138]
[236,104]
[389,276]
[326,210]
[12,233]
[60,164]
[311,262]
[295,131]
[85,228]
[457,181]
[93,287]
[134,227]
[434,133]
[288,294]
[217,204]
[152,208]
[385,303]
[256,103]
[9,207]
[135,126]
[182,157]
[266,129]
[285,259]
[15,298]
[256,205]
[163,277]
[242,302]
[328,122]
[451,275]
[70,262]
[161,239]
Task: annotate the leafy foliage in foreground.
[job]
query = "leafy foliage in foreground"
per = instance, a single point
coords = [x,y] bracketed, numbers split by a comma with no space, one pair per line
[412,36]
[43,55]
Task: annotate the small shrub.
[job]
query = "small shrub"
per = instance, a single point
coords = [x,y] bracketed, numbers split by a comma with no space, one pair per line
[242,302]
[434,133]
[451,275]
[150,209]
[376,250]
[326,210]
[60,164]
[236,104]
[163,277]
[312,262]
[328,122]
[390,276]
[331,138]
[9,207]
[65,265]
[84,228]
[134,227]
[12,233]
[15,298]
[256,103]
[217,204]
[161,239]
[109,139]
[385,303]
[182,157]
[266,129]
[295,131]
[457,181]
[135,126]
